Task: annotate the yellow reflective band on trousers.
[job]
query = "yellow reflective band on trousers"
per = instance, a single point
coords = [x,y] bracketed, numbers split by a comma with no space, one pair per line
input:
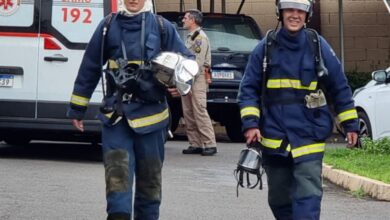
[79,100]
[248,111]
[113,65]
[347,115]
[273,143]
[308,149]
[149,120]
[289,83]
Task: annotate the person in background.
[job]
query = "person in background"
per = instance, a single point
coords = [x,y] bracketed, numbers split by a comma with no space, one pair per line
[199,129]
[135,119]
[283,108]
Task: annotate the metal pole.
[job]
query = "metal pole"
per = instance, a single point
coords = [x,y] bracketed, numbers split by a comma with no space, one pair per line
[341,31]
[211,6]
[154,7]
[199,5]
[181,5]
[240,7]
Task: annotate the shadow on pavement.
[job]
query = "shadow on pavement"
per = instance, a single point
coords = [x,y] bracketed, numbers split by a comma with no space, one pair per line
[63,151]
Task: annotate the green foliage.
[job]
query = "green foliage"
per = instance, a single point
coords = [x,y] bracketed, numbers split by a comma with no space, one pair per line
[358,79]
[365,161]
[381,146]
[359,193]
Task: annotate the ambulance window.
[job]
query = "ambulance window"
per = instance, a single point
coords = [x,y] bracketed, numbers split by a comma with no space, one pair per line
[76,20]
[16,13]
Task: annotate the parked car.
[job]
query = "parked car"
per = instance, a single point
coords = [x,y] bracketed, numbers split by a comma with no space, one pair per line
[232,39]
[372,103]
[42,44]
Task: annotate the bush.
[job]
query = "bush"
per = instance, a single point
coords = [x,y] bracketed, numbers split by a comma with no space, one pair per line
[357,79]
[381,146]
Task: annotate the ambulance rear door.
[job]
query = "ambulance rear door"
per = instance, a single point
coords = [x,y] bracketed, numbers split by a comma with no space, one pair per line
[19,32]
[66,29]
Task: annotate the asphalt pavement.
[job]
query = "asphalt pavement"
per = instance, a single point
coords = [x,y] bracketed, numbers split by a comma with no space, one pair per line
[48,180]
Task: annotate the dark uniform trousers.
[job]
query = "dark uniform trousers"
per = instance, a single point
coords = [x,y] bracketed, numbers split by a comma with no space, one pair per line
[127,155]
[301,180]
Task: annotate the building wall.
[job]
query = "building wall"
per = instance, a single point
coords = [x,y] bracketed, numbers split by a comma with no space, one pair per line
[366,26]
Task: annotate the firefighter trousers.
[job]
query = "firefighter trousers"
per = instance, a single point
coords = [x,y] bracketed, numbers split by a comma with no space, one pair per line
[129,157]
[294,189]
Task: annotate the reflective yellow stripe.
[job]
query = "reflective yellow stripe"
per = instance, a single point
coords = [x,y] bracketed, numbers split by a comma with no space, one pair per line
[250,111]
[79,100]
[108,115]
[347,115]
[149,120]
[308,149]
[289,83]
[113,65]
[271,143]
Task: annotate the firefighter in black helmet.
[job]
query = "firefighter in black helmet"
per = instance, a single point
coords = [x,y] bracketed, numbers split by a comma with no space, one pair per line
[284,108]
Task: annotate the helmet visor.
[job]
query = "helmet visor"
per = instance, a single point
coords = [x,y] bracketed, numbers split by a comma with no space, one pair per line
[250,160]
[303,5]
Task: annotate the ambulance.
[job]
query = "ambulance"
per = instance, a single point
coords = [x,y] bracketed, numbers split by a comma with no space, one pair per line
[42,43]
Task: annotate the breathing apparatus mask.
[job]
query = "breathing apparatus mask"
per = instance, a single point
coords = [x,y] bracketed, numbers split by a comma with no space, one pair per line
[173,70]
[125,76]
[250,162]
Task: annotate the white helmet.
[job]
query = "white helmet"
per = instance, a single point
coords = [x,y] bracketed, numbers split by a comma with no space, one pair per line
[304,5]
[172,69]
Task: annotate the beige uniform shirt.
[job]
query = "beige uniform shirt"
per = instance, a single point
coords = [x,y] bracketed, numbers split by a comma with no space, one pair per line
[199,45]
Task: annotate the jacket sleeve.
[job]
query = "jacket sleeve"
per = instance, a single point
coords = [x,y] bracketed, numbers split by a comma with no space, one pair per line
[250,89]
[172,42]
[88,75]
[338,89]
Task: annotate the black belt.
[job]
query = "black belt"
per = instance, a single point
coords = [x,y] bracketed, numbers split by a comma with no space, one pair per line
[284,101]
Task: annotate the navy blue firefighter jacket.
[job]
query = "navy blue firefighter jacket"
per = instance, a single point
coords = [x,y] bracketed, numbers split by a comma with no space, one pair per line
[286,124]
[142,117]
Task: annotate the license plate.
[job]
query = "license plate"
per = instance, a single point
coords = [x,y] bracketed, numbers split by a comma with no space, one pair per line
[6,80]
[222,74]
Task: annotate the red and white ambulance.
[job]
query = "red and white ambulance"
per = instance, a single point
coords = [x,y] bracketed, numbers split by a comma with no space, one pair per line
[41,46]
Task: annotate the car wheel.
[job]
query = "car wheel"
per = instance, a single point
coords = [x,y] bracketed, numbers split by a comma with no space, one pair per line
[364,127]
[13,140]
[174,123]
[233,130]
[176,113]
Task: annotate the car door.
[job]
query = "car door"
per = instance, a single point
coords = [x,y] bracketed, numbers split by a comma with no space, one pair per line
[66,30]
[19,40]
[382,104]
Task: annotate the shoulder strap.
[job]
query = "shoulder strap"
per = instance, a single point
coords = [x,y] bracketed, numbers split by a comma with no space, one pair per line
[269,46]
[161,26]
[107,23]
[315,45]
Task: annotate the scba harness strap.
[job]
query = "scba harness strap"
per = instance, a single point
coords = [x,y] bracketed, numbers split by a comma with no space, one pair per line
[129,81]
[271,44]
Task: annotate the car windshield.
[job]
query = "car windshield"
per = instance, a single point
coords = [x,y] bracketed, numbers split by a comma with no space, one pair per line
[226,41]
[228,34]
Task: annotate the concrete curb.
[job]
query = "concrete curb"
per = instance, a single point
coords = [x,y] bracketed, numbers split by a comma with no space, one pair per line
[376,189]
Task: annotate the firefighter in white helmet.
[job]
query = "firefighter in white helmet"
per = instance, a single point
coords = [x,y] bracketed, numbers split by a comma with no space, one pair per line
[134,113]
